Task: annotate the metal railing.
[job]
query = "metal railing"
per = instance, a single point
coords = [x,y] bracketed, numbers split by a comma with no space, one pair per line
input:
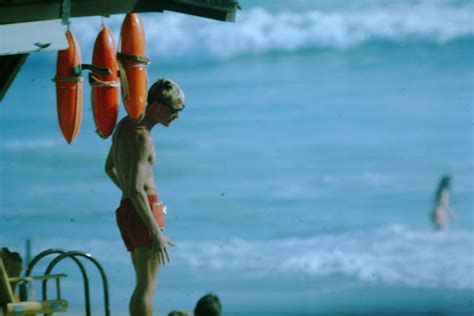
[63,254]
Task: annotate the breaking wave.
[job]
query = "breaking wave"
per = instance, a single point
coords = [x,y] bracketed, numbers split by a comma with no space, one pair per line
[394,255]
[259,31]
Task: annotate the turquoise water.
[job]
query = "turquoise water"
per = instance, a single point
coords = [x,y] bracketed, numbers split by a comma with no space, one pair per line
[300,178]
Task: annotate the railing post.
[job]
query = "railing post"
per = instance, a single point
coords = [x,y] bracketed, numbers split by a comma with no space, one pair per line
[85,279]
[73,255]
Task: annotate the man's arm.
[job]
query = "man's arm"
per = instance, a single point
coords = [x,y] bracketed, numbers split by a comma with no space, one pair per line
[110,169]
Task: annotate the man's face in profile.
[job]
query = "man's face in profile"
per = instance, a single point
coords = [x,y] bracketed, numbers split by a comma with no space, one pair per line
[167,113]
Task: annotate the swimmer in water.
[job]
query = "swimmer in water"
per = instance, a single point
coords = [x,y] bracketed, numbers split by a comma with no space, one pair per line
[442,210]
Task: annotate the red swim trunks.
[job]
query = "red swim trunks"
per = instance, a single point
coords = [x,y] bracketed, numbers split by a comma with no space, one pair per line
[133,230]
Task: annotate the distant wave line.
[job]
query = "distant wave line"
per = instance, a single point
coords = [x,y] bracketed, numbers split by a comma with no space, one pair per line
[19,144]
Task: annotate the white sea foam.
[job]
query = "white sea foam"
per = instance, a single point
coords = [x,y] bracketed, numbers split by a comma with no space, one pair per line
[392,255]
[310,186]
[259,31]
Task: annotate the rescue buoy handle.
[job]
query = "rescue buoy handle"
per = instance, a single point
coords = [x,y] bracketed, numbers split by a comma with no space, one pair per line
[76,70]
[134,58]
[139,61]
[94,81]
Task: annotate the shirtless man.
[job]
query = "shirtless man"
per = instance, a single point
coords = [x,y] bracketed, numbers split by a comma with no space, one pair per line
[442,210]
[141,215]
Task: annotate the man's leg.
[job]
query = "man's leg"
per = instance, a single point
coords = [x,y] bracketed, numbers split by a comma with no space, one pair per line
[141,303]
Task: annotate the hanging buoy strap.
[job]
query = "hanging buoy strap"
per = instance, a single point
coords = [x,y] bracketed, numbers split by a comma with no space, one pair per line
[67,79]
[96,82]
[134,58]
[123,80]
[77,121]
[137,61]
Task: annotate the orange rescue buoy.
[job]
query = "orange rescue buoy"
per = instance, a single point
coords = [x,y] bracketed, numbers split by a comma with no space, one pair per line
[105,94]
[132,63]
[69,89]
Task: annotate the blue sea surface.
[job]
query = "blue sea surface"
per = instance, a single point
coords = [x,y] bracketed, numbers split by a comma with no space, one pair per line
[301,176]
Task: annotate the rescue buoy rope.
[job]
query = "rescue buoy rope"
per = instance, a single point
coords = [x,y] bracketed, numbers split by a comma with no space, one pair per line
[123,80]
[77,118]
[136,58]
[96,82]
[140,62]
[136,65]
[66,78]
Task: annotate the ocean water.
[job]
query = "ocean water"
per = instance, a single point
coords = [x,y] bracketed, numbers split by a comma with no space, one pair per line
[300,178]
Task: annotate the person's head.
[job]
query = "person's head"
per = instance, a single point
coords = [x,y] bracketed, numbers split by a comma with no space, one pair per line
[445,182]
[208,305]
[178,313]
[165,101]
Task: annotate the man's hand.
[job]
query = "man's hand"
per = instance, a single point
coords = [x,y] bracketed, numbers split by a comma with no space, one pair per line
[158,249]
